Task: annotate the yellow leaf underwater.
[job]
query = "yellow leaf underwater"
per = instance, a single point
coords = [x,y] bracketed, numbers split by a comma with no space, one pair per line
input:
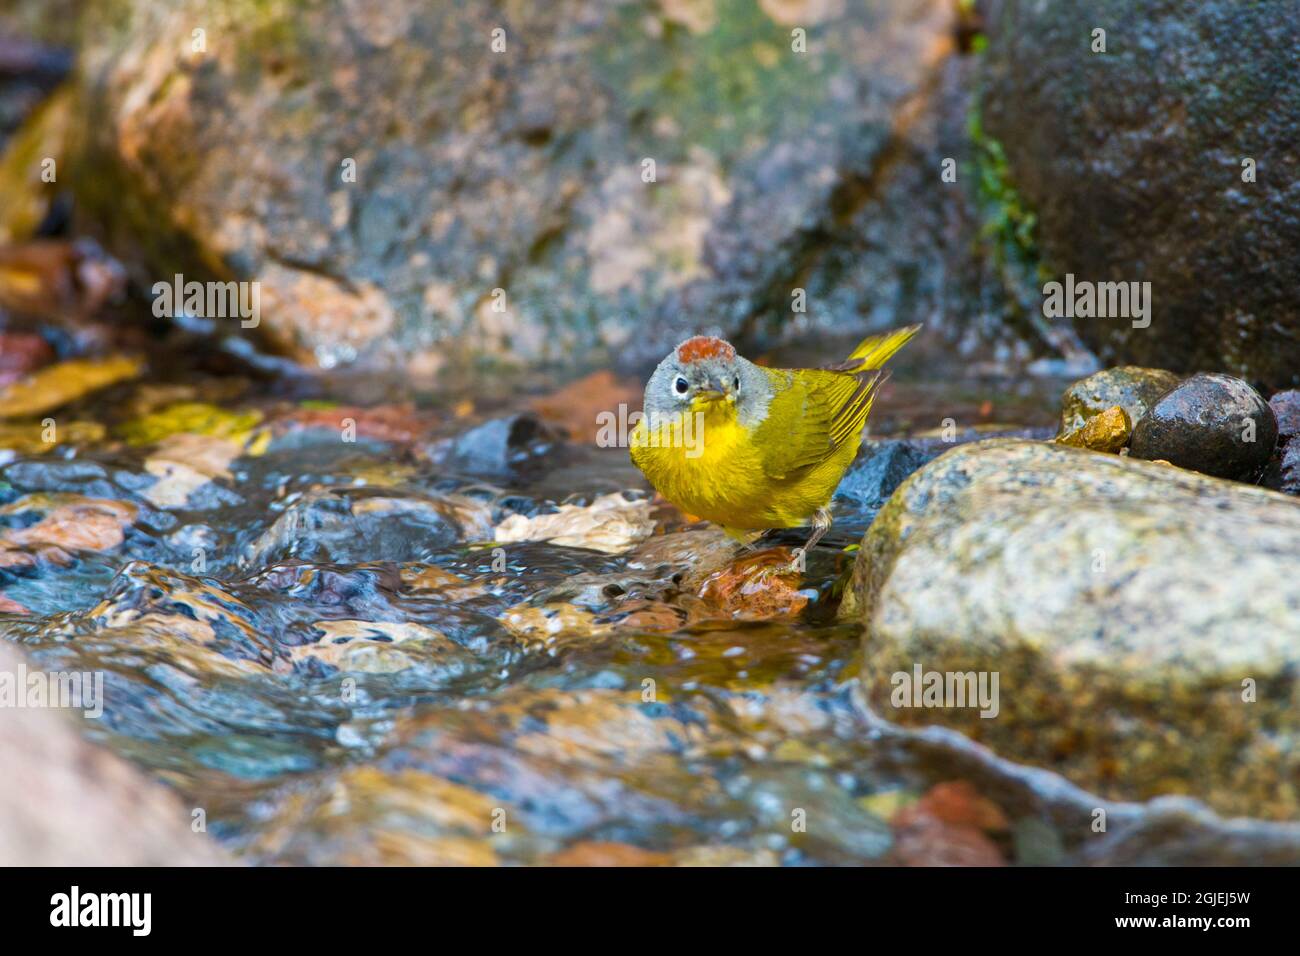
[197,418]
[57,385]
[28,438]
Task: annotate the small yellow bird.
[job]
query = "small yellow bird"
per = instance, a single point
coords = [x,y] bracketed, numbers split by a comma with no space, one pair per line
[753,448]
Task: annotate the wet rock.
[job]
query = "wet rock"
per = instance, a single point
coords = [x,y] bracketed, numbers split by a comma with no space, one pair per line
[1218,240]
[422,132]
[187,467]
[1174,831]
[496,448]
[1132,388]
[691,556]
[1283,472]
[87,478]
[1215,424]
[1286,409]
[1107,432]
[362,524]
[50,480]
[545,623]
[1138,616]
[66,802]
[880,468]
[553,767]
[201,626]
[1288,470]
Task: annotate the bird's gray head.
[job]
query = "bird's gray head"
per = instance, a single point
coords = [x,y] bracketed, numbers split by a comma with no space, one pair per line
[701,373]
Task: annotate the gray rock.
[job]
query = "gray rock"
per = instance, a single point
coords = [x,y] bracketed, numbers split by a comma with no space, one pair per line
[880,468]
[1130,387]
[522,170]
[1122,603]
[1286,409]
[1284,471]
[1132,161]
[1289,469]
[1214,424]
[495,448]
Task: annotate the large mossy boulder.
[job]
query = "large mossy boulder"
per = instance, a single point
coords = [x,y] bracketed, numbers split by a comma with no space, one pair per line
[1143,621]
[416,183]
[1135,161]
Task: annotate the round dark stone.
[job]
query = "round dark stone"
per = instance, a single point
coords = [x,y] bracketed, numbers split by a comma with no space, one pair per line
[1202,424]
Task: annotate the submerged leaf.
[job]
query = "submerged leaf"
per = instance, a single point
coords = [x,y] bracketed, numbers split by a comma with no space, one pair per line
[611,524]
[757,587]
[195,418]
[57,385]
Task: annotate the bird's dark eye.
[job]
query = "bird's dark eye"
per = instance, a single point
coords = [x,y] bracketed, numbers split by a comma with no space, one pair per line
[681,385]
[736,383]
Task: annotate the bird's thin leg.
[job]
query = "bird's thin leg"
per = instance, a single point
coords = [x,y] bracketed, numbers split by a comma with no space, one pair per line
[821,523]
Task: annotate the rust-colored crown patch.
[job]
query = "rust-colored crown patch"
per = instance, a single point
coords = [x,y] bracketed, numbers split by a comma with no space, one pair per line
[704,347]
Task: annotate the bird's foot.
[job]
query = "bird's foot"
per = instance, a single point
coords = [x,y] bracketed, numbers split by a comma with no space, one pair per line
[821,523]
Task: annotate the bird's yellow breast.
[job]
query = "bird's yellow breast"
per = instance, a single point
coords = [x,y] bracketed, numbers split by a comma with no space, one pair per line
[716,471]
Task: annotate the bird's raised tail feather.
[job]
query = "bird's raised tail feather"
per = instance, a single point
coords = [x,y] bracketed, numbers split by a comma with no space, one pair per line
[864,365]
[874,351]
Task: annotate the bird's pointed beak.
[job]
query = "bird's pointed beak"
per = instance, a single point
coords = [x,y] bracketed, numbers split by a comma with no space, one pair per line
[716,392]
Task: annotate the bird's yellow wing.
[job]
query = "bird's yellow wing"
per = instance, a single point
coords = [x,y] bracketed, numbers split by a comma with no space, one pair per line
[806,418]
[815,411]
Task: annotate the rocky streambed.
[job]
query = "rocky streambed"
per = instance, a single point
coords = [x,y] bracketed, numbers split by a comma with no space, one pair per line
[412,632]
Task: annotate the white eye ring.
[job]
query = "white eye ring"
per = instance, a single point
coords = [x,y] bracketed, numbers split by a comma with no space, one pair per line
[681,385]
